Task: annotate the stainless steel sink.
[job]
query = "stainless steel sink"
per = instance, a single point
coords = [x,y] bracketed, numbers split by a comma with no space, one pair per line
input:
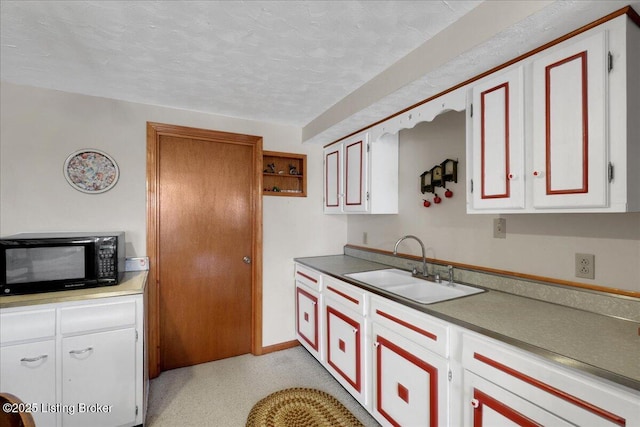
[402,283]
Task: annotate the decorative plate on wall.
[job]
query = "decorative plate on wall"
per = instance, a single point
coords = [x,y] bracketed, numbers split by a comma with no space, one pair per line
[91,171]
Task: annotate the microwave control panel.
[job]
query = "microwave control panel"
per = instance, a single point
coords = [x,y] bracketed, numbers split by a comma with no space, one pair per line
[107,258]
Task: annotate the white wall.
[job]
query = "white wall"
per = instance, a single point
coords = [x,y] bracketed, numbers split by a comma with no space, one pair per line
[294,227]
[39,128]
[538,244]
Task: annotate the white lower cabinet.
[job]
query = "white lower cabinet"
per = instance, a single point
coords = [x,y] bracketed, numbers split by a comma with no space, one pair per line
[493,406]
[77,363]
[535,383]
[97,373]
[345,349]
[29,371]
[309,310]
[408,368]
[308,319]
[409,383]
[346,337]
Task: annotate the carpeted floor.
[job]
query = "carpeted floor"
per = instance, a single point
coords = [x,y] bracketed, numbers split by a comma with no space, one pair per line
[222,393]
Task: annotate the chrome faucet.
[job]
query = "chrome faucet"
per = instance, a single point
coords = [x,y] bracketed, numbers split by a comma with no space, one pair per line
[450,269]
[425,273]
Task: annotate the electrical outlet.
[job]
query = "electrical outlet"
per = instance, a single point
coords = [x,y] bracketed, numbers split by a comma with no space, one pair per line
[586,266]
[500,228]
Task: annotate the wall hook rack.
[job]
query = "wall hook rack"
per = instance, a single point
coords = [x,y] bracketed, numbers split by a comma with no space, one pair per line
[438,176]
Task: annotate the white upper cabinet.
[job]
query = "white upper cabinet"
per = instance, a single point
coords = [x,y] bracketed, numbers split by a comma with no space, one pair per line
[557,131]
[498,142]
[361,175]
[333,179]
[355,174]
[569,125]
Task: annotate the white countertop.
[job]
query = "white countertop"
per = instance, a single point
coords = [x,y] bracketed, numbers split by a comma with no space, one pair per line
[132,283]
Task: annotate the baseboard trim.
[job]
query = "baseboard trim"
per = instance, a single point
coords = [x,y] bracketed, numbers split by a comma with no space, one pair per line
[280,346]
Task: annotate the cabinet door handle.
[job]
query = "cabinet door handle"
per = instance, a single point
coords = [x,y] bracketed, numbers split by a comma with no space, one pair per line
[34,359]
[475,403]
[81,351]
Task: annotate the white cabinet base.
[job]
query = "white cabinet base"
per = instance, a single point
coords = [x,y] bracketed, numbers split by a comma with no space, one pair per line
[80,362]
[488,405]
[28,371]
[97,372]
[409,383]
[345,350]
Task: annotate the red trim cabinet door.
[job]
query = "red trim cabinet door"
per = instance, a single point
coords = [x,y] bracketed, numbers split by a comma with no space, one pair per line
[498,143]
[345,357]
[488,405]
[333,179]
[570,101]
[409,382]
[307,320]
[355,174]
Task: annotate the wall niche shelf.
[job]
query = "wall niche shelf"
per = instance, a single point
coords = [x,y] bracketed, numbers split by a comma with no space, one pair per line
[284,174]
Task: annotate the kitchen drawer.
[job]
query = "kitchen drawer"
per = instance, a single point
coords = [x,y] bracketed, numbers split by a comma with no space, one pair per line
[348,295]
[27,325]
[420,328]
[580,399]
[92,317]
[309,277]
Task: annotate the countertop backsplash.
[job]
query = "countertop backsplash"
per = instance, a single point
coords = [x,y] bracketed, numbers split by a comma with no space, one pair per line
[583,299]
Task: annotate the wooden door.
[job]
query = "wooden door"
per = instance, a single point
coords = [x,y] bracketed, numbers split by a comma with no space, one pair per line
[207,211]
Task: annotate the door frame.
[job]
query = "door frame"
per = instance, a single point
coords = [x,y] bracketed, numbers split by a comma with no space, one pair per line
[154,132]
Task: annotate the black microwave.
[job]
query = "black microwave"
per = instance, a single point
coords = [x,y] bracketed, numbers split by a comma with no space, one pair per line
[45,262]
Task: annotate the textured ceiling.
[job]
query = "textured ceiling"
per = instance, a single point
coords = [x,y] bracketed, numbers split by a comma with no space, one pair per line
[553,21]
[276,61]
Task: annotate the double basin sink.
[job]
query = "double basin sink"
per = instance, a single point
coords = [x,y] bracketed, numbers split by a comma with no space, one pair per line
[404,284]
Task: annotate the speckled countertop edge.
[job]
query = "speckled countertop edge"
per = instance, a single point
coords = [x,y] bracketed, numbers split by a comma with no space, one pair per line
[597,302]
[131,284]
[604,346]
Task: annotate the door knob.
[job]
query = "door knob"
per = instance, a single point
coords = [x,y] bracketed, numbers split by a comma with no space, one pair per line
[246,260]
